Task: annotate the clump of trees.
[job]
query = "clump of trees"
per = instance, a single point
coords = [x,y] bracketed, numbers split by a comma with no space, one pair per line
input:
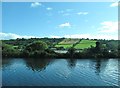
[38,48]
[100,51]
[10,51]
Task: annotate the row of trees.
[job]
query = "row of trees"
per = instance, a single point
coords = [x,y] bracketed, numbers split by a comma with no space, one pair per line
[35,49]
[40,49]
[94,52]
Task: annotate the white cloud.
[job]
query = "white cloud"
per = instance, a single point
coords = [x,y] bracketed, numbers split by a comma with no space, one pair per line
[115,4]
[104,36]
[82,13]
[49,8]
[52,36]
[77,36]
[108,27]
[90,36]
[7,36]
[65,25]
[35,4]
[72,36]
[66,12]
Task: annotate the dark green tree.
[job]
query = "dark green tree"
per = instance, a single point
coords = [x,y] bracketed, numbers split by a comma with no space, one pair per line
[71,52]
[36,48]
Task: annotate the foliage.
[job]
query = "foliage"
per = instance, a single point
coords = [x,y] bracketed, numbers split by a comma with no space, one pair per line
[36,46]
[65,46]
[71,52]
[77,48]
[9,51]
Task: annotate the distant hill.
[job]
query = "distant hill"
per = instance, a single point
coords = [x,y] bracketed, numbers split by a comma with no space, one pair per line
[65,43]
[79,47]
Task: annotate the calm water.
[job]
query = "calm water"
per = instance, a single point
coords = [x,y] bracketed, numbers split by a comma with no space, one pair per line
[59,72]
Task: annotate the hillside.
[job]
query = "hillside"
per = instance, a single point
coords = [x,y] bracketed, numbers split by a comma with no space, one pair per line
[67,43]
[60,47]
[83,44]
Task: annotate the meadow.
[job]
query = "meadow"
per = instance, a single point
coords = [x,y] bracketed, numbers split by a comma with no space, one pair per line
[76,43]
[85,44]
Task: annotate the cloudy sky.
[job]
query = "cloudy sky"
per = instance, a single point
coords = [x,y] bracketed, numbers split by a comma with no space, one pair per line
[59,19]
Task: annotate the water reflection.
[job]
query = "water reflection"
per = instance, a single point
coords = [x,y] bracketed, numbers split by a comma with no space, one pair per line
[98,65]
[72,63]
[6,63]
[98,72]
[38,64]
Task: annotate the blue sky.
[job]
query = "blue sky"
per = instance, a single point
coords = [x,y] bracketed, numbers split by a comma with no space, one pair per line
[59,19]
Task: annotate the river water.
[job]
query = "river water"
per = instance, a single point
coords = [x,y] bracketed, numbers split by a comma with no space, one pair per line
[59,72]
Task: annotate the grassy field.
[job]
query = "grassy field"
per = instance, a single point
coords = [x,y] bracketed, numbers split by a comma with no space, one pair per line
[66,46]
[67,43]
[85,44]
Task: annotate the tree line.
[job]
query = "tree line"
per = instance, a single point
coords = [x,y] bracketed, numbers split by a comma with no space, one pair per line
[41,49]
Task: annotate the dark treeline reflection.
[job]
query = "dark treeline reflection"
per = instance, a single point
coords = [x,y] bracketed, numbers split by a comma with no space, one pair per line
[6,62]
[98,65]
[71,63]
[59,72]
[38,64]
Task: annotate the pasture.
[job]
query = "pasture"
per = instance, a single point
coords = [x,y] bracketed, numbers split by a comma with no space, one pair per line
[85,44]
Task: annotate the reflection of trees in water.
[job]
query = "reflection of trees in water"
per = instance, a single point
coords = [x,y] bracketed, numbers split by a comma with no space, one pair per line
[98,65]
[71,62]
[37,64]
[5,62]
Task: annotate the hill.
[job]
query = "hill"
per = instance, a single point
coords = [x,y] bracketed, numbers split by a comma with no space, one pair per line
[68,46]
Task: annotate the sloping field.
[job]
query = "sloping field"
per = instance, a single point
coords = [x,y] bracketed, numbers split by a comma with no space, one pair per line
[67,43]
[85,44]
[66,46]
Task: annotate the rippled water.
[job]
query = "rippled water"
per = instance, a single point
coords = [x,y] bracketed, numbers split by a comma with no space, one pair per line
[59,72]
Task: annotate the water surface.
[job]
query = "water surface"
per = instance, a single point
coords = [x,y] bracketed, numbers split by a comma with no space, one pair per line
[59,72]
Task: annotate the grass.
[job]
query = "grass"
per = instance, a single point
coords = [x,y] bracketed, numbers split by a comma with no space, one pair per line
[66,46]
[85,44]
[69,41]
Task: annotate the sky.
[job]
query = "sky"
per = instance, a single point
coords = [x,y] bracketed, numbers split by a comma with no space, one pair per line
[94,20]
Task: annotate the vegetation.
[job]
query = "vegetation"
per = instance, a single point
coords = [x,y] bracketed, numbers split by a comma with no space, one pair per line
[64,46]
[67,43]
[50,47]
[85,44]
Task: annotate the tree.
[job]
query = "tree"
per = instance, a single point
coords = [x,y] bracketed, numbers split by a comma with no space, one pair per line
[71,52]
[9,51]
[38,45]
[36,48]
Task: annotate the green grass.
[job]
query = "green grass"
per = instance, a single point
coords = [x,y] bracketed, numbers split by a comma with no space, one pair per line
[69,41]
[66,46]
[85,44]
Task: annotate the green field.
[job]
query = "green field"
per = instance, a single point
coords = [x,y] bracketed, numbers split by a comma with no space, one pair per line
[85,44]
[67,43]
[66,46]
